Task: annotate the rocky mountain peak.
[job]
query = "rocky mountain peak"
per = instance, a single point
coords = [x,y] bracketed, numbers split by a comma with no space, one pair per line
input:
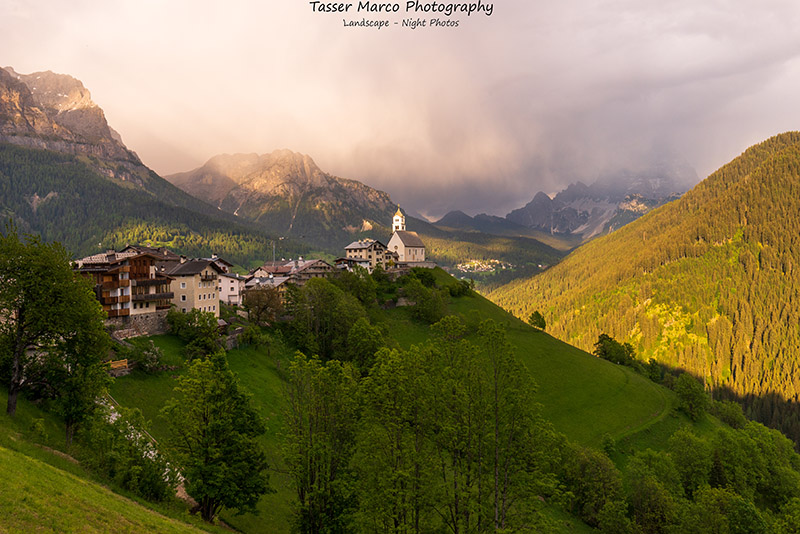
[56,112]
[56,92]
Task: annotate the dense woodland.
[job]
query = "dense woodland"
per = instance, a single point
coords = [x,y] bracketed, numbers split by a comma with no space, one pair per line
[708,283]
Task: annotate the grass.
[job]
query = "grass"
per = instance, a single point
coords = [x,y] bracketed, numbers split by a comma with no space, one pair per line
[42,489]
[583,396]
[37,497]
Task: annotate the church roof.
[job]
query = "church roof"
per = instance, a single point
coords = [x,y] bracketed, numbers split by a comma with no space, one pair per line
[410,239]
[398,213]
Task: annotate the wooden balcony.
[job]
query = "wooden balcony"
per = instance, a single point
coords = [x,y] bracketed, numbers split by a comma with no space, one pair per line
[114,284]
[116,300]
[149,282]
[119,313]
[208,277]
[153,296]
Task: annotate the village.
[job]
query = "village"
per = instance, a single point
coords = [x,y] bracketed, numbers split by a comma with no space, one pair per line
[138,285]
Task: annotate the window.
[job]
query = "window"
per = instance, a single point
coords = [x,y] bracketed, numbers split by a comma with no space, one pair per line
[183,285]
[183,298]
[183,310]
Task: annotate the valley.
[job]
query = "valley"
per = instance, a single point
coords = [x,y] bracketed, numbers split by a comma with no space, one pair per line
[394,391]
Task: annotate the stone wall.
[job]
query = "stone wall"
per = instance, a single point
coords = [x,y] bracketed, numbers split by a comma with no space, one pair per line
[146,324]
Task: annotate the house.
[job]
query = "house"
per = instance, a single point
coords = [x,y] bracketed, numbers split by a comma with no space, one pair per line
[369,253]
[276,282]
[225,265]
[407,245]
[230,288]
[127,283]
[349,263]
[299,270]
[165,258]
[195,284]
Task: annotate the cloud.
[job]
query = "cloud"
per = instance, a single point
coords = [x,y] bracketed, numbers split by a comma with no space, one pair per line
[478,117]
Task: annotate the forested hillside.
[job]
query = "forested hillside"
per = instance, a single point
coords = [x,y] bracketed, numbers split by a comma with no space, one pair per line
[63,199]
[709,283]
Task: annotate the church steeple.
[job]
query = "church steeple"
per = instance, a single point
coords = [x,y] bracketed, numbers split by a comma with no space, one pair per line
[398,221]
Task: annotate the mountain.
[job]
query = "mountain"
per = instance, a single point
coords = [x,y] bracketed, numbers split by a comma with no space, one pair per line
[288,193]
[708,283]
[67,176]
[56,112]
[608,204]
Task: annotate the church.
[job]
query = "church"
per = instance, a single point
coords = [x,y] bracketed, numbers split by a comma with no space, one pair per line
[407,245]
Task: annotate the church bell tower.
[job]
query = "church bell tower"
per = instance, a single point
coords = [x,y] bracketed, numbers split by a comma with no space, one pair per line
[398,221]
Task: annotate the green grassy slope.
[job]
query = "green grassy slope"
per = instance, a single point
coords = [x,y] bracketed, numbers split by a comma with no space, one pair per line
[708,283]
[38,497]
[44,490]
[583,396]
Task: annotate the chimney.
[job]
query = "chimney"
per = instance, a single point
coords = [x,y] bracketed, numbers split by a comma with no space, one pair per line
[183,258]
[214,256]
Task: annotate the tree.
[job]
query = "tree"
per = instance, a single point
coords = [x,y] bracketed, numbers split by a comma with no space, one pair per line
[44,307]
[198,329]
[612,350]
[537,321]
[214,430]
[323,315]
[363,341]
[691,396]
[75,370]
[263,305]
[321,420]
[396,486]
[692,456]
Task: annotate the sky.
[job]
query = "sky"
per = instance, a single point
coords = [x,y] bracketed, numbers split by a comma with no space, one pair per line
[477,117]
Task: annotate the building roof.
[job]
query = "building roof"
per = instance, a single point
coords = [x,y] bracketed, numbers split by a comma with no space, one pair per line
[219,260]
[161,253]
[234,276]
[398,213]
[363,244]
[410,239]
[106,258]
[265,281]
[193,267]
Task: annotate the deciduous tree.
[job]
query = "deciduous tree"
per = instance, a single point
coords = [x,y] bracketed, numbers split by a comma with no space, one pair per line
[214,430]
[50,323]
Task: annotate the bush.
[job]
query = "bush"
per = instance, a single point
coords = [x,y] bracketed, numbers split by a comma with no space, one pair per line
[537,321]
[148,359]
[612,350]
[460,288]
[729,412]
[253,335]
[116,448]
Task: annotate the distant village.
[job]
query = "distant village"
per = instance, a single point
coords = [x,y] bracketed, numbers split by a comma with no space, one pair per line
[138,284]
